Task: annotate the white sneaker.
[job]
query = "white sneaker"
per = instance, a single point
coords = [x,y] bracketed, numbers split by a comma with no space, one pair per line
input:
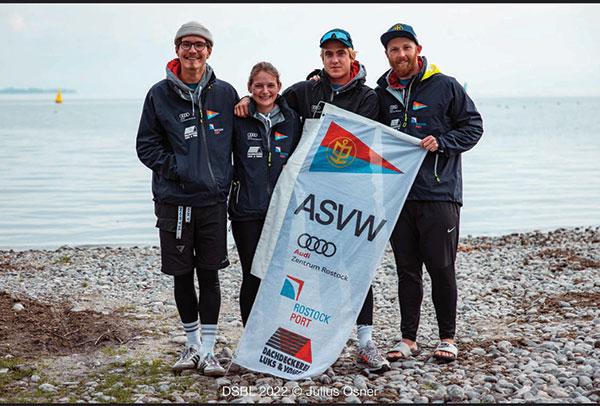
[188,359]
[210,366]
[370,355]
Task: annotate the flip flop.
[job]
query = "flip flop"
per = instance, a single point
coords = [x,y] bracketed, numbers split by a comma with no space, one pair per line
[446,347]
[403,349]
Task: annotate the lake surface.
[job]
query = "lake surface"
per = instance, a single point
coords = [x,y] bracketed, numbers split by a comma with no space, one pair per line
[69,173]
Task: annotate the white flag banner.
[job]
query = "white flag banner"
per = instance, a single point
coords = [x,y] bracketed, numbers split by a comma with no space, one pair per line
[330,217]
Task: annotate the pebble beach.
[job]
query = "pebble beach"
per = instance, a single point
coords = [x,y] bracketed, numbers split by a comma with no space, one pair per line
[528,330]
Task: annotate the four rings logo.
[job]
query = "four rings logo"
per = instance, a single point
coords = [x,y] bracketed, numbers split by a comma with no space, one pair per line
[317,245]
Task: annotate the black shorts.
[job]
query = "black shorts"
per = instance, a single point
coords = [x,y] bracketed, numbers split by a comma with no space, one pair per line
[201,242]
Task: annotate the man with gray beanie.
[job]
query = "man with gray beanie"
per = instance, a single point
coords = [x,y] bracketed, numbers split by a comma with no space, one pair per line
[184,137]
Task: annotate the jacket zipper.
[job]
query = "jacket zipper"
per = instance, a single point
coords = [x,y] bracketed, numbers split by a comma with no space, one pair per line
[406,103]
[406,107]
[269,162]
[237,186]
[205,142]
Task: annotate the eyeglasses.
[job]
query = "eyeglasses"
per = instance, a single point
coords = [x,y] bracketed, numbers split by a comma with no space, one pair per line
[336,34]
[186,46]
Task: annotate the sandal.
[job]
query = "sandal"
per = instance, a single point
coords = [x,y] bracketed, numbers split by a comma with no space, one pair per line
[403,349]
[446,347]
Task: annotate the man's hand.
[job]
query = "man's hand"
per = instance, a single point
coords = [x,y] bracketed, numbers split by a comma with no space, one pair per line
[314,75]
[241,109]
[429,143]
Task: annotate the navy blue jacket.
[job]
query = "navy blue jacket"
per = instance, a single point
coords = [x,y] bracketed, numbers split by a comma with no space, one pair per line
[434,104]
[185,138]
[356,97]
[259,156]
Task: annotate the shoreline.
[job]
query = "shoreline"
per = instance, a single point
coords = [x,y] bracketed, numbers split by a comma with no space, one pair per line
[55,247]
[528,329]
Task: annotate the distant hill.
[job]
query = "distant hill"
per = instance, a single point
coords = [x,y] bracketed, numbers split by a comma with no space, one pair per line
[33,90]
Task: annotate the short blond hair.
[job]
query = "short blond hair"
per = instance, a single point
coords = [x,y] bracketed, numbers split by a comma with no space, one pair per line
[351,51]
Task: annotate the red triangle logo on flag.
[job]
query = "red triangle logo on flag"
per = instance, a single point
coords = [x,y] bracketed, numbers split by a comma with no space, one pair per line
[305,353]
[337,136]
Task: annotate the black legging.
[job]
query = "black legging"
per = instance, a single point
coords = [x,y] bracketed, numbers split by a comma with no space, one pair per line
[246,235]
[187,302]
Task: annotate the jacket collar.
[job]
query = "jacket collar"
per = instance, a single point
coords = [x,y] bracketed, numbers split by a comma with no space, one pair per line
[427,70]
[174,71]
[358,74]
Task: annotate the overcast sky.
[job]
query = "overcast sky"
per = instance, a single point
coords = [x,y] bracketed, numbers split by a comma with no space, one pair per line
[120,50]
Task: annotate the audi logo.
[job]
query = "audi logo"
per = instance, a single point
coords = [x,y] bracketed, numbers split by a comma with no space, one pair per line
[317,245]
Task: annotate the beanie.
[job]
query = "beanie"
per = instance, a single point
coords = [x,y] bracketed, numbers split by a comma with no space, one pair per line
[194,28]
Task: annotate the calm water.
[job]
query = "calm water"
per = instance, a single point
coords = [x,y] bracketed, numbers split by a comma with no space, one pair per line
[69,174]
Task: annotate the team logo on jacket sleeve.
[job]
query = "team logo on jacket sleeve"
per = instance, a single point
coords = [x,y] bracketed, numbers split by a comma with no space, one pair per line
[416,123]
[252,136]
[186,117]
[418,106]
[254,152]
[281,153]
[216,131]
[190,132]
[211,114]
[279,136]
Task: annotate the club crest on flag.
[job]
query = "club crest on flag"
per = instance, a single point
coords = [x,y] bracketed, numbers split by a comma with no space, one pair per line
[342,151]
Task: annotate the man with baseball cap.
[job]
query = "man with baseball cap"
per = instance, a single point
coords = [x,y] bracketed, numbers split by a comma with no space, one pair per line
[417,99]
[341,82]
[184,137]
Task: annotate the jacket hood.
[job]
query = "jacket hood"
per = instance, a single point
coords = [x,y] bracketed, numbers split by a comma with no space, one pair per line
[174,70]
[427,70]
[358,73]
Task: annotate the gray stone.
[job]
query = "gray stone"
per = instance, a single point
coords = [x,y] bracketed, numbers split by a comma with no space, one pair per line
[572,382]
[556,392]
[360,383]
[455,393]
[290,384]
[179,340]
[504,346]
[325,379]
[550,345]
[585,382]
[46,387]
[17,307]
[352,399]
[222,382]
[478,351]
